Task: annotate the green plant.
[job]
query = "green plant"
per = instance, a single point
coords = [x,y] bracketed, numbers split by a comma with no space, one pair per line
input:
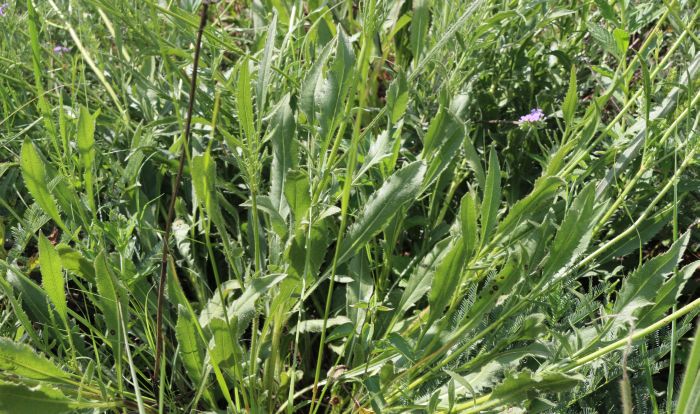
[359,223]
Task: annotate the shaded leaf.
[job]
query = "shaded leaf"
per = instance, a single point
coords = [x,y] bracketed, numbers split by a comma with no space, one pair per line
[22,399]
[422,277]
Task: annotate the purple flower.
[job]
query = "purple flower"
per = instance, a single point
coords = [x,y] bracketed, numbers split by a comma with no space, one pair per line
[3,8]
[536,115]
[60,49]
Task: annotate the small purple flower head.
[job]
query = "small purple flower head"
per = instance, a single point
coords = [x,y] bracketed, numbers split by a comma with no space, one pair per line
[534,117]
[3,7]
[60,49]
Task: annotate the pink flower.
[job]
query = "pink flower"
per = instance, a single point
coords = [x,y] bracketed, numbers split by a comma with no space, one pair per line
[60,49]
[536,115]
[3,8]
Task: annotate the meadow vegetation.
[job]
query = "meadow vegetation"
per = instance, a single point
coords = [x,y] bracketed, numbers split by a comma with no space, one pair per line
[368,206]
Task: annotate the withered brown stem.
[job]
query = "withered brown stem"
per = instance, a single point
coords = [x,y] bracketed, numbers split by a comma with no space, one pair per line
[173,197]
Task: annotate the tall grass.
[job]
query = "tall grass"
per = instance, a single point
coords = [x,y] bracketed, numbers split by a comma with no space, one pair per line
[364,217]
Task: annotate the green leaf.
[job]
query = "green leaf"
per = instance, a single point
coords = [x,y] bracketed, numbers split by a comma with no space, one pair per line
[284,152]
[263,81]
[571,99]
[474,162]
[648,229]
[446,279]
[622,41]
[433,137]
[401,345]
[668,295]
[607,10]
[297,191]
[517,386]
[34,299]
[640,289]
[307,96]
[604,38]
[111,296]
[401,188]
[242,309]
[223,344]
[422,277]
[204,182]
[19,313]
[689,395]
[360,289]
[21,360]
[380,149]
[34,175]
[539,199]
[574,233]
[317,241]
[468,218]
[33,24]
[489,373]
[73,261]
[397,97]
[5,167]
[264,204]
[330,95]
[52,276]
[492,198]
[244,101]
[86,148]
[505,283]
[190,345]
[419,27]
[43,399]
[451,134]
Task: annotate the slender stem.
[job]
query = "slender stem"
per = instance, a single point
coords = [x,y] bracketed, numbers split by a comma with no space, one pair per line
[173,196]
